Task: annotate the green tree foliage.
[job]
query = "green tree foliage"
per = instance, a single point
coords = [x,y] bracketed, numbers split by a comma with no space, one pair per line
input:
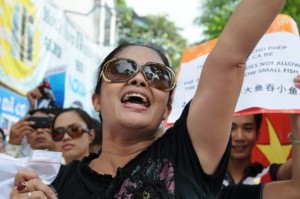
[216,13]
[292,8]
[156,29]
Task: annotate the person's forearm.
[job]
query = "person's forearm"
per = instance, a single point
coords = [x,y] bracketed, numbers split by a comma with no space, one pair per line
[241,34]
[295,134]
[285,170]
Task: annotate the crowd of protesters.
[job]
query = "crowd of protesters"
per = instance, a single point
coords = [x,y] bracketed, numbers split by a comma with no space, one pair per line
[128,154]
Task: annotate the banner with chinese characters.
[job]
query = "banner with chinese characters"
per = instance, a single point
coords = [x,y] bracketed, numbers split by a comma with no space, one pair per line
[268,86]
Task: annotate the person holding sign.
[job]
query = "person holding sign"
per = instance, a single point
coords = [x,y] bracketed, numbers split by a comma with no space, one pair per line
[132,96]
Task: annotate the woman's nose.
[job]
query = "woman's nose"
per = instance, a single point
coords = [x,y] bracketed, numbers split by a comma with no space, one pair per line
[138,80]
[66,137]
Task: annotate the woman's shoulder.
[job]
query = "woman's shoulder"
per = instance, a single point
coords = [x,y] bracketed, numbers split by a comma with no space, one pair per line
[75,169]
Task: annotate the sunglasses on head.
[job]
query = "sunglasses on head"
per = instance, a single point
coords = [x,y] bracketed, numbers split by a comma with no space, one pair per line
[73,130]
[121,70]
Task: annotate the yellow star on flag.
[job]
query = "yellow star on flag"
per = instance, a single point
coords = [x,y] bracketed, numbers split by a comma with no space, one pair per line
[275,152]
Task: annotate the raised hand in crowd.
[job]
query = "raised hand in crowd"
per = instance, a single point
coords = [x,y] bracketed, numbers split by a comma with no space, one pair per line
[19,130]
[33,95]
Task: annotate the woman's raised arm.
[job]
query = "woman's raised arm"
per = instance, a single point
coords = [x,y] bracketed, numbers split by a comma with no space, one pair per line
[211,109]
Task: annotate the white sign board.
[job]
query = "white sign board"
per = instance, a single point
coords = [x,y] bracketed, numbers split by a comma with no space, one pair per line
[268,82]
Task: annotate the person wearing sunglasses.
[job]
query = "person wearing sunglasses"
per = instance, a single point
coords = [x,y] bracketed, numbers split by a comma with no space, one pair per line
[132,96]
[118,70]
[72,132]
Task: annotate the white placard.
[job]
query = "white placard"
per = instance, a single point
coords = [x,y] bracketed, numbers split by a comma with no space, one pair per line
[268,82]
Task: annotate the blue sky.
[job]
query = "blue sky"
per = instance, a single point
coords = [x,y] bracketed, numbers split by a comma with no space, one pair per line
[182,12]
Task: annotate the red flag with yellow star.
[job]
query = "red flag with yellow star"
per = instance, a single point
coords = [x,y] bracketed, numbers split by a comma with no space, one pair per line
[273,145]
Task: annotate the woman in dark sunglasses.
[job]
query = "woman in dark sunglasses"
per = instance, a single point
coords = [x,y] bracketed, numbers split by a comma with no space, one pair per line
[72,132]
[132,96]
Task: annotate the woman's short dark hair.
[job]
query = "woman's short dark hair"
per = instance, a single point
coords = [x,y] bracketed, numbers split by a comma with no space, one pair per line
[81,113]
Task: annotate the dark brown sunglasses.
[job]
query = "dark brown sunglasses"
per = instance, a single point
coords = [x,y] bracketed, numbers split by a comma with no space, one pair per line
[121,70]
[73,130]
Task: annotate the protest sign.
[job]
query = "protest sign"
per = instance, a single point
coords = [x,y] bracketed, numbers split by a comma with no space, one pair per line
[270,70]
[268,86]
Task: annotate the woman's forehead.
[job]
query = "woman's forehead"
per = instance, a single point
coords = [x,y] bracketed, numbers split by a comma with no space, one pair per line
[67,118]
[140,54]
